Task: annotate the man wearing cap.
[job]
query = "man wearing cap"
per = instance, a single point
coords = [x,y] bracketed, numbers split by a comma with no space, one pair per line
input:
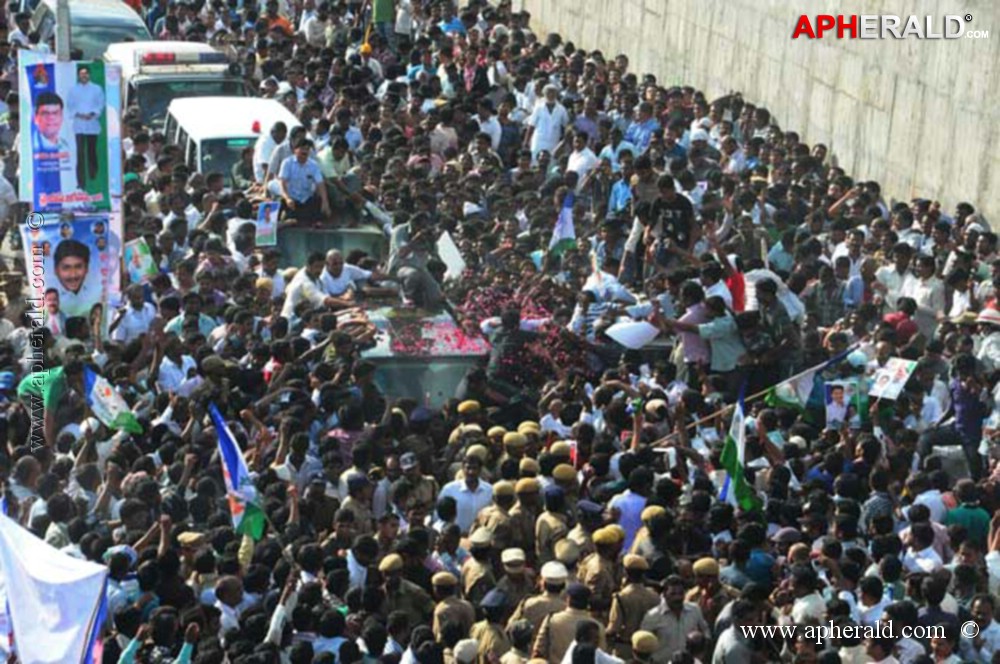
[590,517]
[630,605]
[465,651]
[709,595]
[598,571]
[494,438]
[643,646]
[558,630]
[517,582]
[402,594]
[489,632]
[673,620]
[551,525]
[423,488]
[496,517]
[470,493]
[536,608]
[450,608]
[468,412]
[524,514]
[568,553]
[513,446]
[477,570]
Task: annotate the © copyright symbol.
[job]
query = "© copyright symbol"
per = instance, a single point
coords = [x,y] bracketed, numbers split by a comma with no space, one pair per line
[970,630]
[34,220]
[968,17]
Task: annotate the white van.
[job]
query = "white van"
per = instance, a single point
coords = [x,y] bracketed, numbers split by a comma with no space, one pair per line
[213,131]
[154,73]
[93,24]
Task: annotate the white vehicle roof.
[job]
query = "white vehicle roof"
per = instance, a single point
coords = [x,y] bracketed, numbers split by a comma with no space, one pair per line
[206,118]
[86,13]
[125,53]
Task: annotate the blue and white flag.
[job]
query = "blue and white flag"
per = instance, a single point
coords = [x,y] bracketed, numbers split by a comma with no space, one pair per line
[248,517]
[564,233]
[56,603]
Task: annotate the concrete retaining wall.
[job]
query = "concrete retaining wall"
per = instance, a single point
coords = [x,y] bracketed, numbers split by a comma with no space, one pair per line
[919,116]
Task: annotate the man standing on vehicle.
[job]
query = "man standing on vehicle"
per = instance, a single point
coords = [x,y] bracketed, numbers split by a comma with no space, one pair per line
[301,185]
[86,103]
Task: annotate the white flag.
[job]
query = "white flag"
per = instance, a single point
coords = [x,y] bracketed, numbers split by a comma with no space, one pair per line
[54,600]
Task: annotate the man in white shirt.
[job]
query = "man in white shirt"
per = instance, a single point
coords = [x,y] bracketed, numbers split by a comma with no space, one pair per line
[928,292]
[134,320]
[264,148]
[488,123]
[175,367]
[546,123]
[228,595]
[339,279]
[582,160]
[921,556]
[269,269]
[893,280]
[471,494]
[980,648]
[307,286]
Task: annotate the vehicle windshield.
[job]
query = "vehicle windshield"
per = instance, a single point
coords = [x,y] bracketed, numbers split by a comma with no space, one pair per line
[93,40]
[221,154]
[432,381]
[155,96]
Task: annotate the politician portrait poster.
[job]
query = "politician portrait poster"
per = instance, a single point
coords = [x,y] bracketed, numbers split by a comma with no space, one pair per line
[70,144]
[73,269]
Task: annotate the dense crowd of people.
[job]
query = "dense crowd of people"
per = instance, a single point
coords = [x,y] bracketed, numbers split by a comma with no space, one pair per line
[571,503]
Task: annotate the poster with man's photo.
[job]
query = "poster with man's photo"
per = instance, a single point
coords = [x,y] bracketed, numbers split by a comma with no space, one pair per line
[843,405]
[73,271]
[71,133]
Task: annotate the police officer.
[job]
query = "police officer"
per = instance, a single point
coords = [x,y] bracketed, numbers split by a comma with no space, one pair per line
[551,525]
[489,632]
[629,605]
[597,571]
[559,630]
[537,608]
[450,608]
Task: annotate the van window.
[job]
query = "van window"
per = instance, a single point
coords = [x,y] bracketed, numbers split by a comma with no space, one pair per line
[222,154]
[192,155]
[170,129]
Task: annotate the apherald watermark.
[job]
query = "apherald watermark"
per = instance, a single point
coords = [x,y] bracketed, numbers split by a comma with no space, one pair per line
[886,26]
[35,311]
[829,631]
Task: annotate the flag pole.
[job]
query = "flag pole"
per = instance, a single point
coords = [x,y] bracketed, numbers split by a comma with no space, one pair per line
[753,397]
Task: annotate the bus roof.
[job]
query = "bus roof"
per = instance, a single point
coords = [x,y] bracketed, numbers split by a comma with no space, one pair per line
[205,118]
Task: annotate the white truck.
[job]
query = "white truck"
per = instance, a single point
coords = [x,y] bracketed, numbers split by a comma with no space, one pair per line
[154,73]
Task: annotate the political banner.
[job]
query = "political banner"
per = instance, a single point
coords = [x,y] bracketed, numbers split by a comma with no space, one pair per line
[71,141]
[889,380]
[73,271]
[139,263]
[267,223]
